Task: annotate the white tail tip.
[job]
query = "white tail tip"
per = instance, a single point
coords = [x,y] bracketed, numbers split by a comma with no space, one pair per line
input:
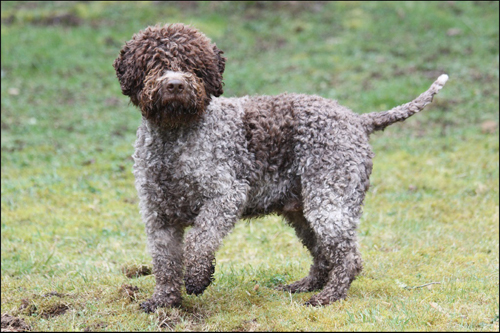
[442,79]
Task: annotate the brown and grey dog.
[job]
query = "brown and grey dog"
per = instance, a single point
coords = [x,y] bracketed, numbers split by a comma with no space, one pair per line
[205,161]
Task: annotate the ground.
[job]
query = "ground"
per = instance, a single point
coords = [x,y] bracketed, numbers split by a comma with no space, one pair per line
[73,245]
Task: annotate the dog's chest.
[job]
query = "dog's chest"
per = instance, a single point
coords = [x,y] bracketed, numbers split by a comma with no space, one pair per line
[163,170]
[186,170]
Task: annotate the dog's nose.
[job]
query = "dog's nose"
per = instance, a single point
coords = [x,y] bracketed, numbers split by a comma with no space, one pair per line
[175,86]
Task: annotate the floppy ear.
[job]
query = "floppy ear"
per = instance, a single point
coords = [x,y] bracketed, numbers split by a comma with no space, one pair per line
[217,79]
[130,70]
[221,60]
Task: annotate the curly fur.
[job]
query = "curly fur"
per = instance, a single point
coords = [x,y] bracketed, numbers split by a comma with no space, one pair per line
[206,161]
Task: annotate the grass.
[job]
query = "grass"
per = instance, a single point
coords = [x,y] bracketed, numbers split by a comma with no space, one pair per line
[70,223]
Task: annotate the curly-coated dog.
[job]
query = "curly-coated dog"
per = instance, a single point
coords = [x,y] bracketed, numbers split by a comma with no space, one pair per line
[205,161]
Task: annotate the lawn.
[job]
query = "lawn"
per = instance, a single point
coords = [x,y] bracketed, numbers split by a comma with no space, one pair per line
[73,247]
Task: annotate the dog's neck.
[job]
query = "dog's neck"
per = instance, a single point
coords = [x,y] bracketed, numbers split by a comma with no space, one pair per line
[168,133]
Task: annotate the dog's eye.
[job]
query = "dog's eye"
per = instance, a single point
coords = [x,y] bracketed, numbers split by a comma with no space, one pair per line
[198,73]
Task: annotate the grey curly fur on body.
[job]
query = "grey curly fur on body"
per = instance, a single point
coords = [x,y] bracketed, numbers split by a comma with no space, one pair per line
[206,161]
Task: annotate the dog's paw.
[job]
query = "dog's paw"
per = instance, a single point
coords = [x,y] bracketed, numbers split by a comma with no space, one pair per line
[324,298]
[307,284]
[316,302]
[148,306]
[197,286]
[195,290]
[198,277]
[154,303]
[197,282]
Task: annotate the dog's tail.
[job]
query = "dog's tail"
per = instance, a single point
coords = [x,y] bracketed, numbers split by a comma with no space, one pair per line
[376,121]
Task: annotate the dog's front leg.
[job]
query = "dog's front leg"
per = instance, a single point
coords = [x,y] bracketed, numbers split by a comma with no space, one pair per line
[216,219]
[165,246]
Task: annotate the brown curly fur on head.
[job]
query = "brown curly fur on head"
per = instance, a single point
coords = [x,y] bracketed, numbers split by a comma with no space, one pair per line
[144,65]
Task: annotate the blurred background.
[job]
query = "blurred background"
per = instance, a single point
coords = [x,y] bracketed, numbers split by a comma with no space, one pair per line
[70,216]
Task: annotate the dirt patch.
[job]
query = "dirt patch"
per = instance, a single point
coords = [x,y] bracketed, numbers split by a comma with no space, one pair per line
[193,317]
[129,291]
[54,310]
[45,306]
[88,162]
[65,20]
[96,327]
[13,324]
[134,271]
[169,319]
[183,5]
[54,293]
[489,127]
[132,201]
[120,131]
[247,326]
[17,145]
[27,307]
[254,9]
[112,101]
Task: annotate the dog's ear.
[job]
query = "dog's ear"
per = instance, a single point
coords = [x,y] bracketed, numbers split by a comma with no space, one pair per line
[130,73]
[216,81]
[221,60]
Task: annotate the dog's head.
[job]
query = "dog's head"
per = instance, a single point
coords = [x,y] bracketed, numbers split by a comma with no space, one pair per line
[170,72]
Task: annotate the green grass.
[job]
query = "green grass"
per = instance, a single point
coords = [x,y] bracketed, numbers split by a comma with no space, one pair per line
[70,222]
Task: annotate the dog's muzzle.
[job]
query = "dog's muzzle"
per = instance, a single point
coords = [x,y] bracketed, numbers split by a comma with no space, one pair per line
[175,86]
[173,98]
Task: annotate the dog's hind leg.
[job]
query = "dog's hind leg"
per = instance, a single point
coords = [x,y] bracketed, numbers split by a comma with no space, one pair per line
[333,197]
[335,230]
[347,264]
[320,268]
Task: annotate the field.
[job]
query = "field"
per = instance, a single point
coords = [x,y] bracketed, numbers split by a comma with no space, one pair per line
[73,247]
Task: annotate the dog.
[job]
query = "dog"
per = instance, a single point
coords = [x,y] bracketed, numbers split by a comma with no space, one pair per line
[204,161]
